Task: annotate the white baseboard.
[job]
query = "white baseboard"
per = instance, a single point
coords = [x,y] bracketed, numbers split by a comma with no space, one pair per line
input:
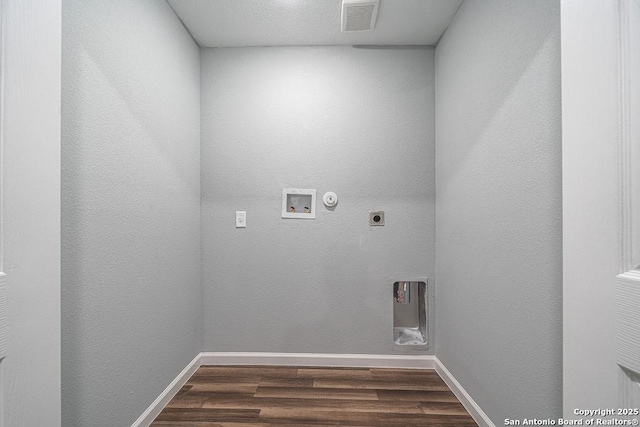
[469,404]
[319,359]
[165,397]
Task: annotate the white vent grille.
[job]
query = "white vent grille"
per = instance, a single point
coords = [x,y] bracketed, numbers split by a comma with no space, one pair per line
[358,15]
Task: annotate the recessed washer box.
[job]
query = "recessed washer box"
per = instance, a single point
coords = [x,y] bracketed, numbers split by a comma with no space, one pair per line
[410,313]
[298,203]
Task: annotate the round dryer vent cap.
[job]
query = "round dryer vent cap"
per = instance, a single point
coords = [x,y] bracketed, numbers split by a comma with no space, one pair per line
[330,199]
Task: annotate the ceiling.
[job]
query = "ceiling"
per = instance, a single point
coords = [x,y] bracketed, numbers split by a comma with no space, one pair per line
[235,23]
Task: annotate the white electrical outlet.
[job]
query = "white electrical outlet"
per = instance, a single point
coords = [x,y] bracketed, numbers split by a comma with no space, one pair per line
[241,219]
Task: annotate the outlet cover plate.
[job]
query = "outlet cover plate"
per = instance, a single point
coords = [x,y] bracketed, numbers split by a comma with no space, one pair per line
[241,219]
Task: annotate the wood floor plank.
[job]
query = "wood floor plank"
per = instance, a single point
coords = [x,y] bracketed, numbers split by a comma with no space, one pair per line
[209,415]
[227,387]
[183,390]
[240,371]
[318,404]
[286,382]
[381,385]
[316,393]
[188,401]
[315,417]
[206,379]
[323,373]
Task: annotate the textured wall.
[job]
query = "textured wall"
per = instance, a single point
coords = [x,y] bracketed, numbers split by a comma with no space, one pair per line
[131,207]
[357,121]
[499,253]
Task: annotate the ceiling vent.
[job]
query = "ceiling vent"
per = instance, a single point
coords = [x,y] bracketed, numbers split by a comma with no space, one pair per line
[359,15]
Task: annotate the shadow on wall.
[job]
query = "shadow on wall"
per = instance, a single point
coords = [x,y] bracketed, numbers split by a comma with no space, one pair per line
[515,52]
[126,68]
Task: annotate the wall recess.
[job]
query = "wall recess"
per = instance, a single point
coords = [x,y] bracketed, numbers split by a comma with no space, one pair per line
[298,203]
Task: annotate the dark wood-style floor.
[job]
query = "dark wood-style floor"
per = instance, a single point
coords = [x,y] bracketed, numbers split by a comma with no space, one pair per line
[233,396]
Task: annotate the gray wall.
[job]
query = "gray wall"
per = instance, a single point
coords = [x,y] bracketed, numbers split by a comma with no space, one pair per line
[130,207]
[499,254]
[356,121]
